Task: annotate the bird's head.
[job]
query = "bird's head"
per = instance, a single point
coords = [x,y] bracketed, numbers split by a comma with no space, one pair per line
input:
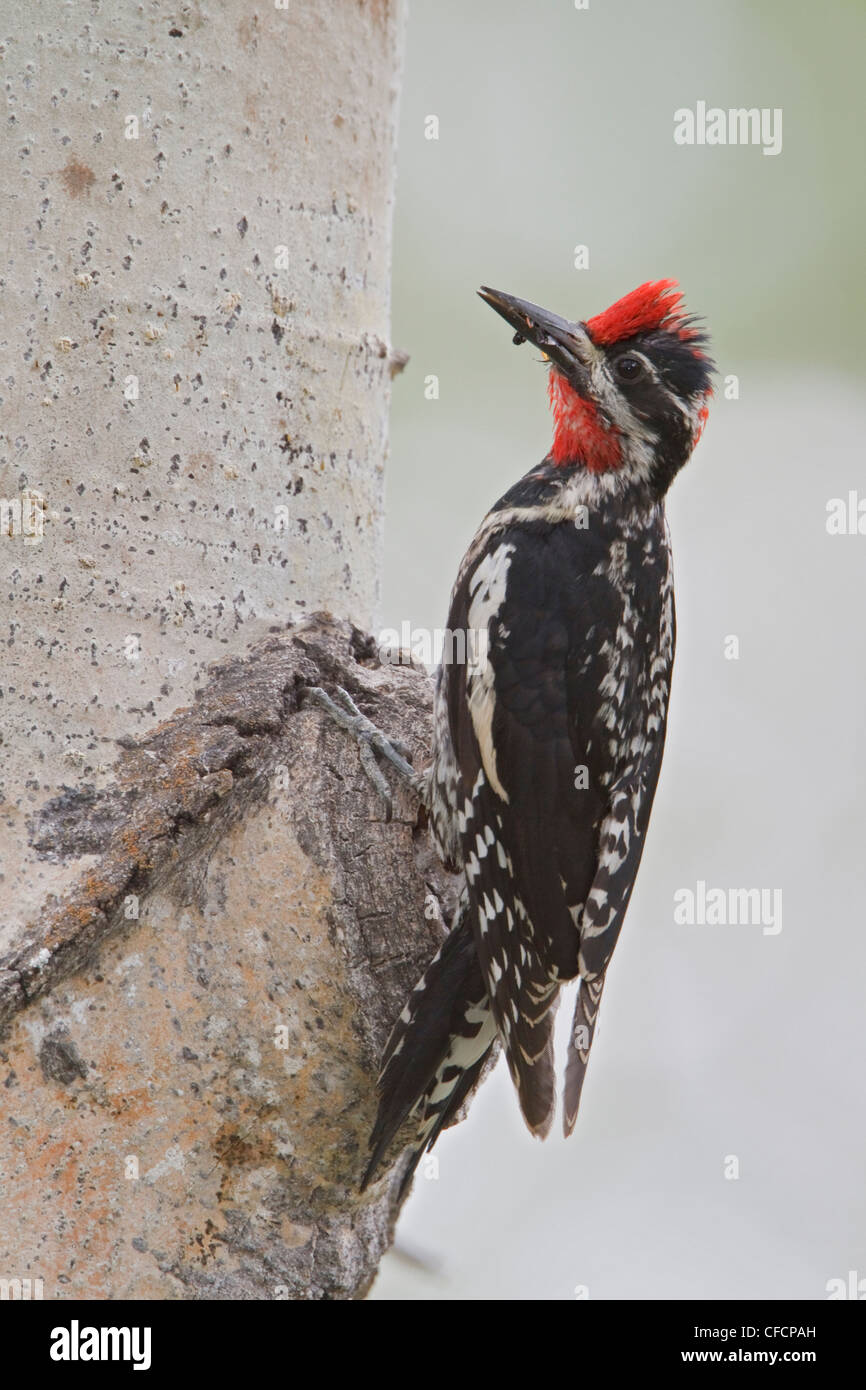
[629,388]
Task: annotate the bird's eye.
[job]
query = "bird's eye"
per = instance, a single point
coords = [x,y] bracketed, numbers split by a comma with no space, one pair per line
[628,368]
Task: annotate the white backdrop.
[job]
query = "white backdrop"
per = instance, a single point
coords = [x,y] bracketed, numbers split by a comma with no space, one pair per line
[723,1048]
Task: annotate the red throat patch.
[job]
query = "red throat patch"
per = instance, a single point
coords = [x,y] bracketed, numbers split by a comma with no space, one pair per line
[657,304]
[578,434]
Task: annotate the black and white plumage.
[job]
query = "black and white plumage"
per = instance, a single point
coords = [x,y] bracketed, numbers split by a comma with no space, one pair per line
[548,745]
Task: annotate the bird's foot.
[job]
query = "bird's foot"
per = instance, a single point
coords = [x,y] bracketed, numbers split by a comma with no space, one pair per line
[370,741]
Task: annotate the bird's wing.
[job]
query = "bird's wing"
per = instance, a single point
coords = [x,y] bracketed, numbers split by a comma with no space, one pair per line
[522,718]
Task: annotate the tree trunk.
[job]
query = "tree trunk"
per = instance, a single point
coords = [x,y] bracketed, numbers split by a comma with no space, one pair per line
[199,958]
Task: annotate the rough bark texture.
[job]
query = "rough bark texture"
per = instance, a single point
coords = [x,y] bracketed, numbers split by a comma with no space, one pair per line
[188,1091]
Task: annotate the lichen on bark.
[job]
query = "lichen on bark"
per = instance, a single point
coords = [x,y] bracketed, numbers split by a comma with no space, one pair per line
[191,1036]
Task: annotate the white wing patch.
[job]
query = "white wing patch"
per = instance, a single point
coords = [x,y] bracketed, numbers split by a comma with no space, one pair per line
[487,588]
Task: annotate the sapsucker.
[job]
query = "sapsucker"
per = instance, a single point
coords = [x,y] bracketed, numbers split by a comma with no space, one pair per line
[548,736]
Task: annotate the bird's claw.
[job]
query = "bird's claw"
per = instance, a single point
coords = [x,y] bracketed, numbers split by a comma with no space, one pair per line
[376,776]
[370,739]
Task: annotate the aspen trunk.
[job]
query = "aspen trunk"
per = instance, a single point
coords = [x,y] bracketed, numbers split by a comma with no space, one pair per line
[197,957]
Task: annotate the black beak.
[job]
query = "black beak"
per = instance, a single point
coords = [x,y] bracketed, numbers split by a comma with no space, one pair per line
[567,344]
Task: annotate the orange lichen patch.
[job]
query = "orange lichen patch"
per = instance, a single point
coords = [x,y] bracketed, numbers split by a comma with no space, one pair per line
[53,1166]
[118,1096]
[130,1105]
[130,839]
[182,774]
[77,178]
[80,914]
[96,887]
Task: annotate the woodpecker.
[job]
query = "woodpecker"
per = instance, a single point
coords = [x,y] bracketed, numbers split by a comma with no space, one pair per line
[548,737]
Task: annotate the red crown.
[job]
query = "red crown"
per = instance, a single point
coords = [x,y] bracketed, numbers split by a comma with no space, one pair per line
[657,304]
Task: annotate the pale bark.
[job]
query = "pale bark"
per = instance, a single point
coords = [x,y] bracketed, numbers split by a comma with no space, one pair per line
[205,935]
[191,1037]
[155,263]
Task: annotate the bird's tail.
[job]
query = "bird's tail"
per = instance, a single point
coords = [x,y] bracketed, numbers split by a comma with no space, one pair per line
[437,1049]
[579,1044]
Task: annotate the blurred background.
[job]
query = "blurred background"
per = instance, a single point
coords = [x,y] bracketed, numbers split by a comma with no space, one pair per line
[716,1043]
